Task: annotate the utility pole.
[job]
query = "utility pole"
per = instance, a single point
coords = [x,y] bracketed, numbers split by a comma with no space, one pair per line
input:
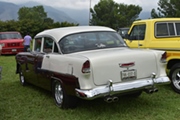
[89,11]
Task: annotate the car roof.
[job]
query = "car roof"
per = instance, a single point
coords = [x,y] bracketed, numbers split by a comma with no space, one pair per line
[58,33]
[158,20]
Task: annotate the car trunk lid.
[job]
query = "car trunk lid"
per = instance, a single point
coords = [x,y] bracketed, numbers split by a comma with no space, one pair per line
[120,65]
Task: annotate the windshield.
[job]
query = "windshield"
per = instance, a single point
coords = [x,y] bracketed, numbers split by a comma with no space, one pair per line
[90,41]
[5,36]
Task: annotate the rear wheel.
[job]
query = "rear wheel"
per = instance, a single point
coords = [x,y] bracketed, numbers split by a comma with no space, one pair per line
[175,77]
[61,98]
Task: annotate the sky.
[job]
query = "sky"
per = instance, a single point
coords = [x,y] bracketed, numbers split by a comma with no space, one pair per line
[147,5]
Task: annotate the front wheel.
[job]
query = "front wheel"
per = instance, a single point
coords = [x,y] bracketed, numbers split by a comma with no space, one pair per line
[61,98]
[21,77]
[175,77]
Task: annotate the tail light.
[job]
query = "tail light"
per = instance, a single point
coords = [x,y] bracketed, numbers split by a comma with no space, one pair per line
[86,67]
[163,57]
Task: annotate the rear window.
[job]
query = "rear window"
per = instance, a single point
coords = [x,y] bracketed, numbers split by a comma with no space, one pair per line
[5,36]
[90,41]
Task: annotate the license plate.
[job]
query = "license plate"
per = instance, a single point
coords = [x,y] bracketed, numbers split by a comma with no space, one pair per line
[128,74]
[14,50]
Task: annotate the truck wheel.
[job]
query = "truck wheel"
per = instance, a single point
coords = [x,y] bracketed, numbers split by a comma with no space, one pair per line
[63,100]
[21,77]
[175,77]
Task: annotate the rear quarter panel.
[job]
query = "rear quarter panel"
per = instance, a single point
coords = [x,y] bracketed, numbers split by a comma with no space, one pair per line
[68,65]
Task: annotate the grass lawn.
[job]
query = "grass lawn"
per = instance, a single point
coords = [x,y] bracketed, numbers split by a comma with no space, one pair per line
[31,103]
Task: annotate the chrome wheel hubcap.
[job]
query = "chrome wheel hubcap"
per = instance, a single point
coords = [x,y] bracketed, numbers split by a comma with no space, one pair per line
[22,78]
[176,78]
[58,93]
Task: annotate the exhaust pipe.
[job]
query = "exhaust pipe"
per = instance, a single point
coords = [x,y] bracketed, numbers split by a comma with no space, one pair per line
[115,99]
[149,91]
[108,99]
[111,99]
[155,90]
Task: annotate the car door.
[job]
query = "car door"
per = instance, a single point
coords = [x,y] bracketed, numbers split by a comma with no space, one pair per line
[33,63]
[137,36]
[49,47]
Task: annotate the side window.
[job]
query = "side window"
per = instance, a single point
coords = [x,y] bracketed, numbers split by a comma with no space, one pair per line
[178,28]
[167,29]
[171,29]
[37,44]
[161,29]
[138,32]
[55,48]
[48,45]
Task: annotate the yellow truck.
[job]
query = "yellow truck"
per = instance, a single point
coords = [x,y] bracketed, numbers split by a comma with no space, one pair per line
[159,34]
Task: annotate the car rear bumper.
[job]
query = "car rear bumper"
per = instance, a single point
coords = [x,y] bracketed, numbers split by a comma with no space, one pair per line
[124,87]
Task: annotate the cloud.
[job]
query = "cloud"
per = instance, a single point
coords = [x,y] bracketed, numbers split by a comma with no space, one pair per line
[147,5]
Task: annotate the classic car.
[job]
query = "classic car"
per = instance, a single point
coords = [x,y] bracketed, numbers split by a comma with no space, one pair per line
[11,42]
[89,62]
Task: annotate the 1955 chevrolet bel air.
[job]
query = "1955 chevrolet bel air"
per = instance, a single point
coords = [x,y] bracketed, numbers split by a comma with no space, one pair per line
[89,62]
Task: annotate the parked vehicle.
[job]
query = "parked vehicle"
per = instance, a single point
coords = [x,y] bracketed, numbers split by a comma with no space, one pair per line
[123,31]
[11,42]
[89,62]
[160,34]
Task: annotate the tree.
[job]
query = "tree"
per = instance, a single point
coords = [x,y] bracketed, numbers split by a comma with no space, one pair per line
[34,20]
[167,8]
[128,14]
[114,15]
[35,13]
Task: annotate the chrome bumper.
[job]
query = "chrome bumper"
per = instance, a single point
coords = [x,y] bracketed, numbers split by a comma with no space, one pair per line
[113,88]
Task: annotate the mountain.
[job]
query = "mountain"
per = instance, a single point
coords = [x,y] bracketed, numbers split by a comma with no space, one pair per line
[12,12]
[82,16]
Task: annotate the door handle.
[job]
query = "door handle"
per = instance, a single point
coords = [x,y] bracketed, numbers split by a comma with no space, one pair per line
[140,44]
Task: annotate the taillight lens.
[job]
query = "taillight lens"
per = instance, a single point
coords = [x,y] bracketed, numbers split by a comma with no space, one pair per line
[86,67]
[163,57]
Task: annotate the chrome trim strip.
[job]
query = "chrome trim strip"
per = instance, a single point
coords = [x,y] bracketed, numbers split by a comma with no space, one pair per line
[118,88]
[166,49]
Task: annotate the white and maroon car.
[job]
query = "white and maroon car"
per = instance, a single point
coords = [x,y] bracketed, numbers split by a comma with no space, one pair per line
[89,62]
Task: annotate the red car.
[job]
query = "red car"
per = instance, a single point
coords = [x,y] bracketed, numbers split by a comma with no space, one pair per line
[11,42]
